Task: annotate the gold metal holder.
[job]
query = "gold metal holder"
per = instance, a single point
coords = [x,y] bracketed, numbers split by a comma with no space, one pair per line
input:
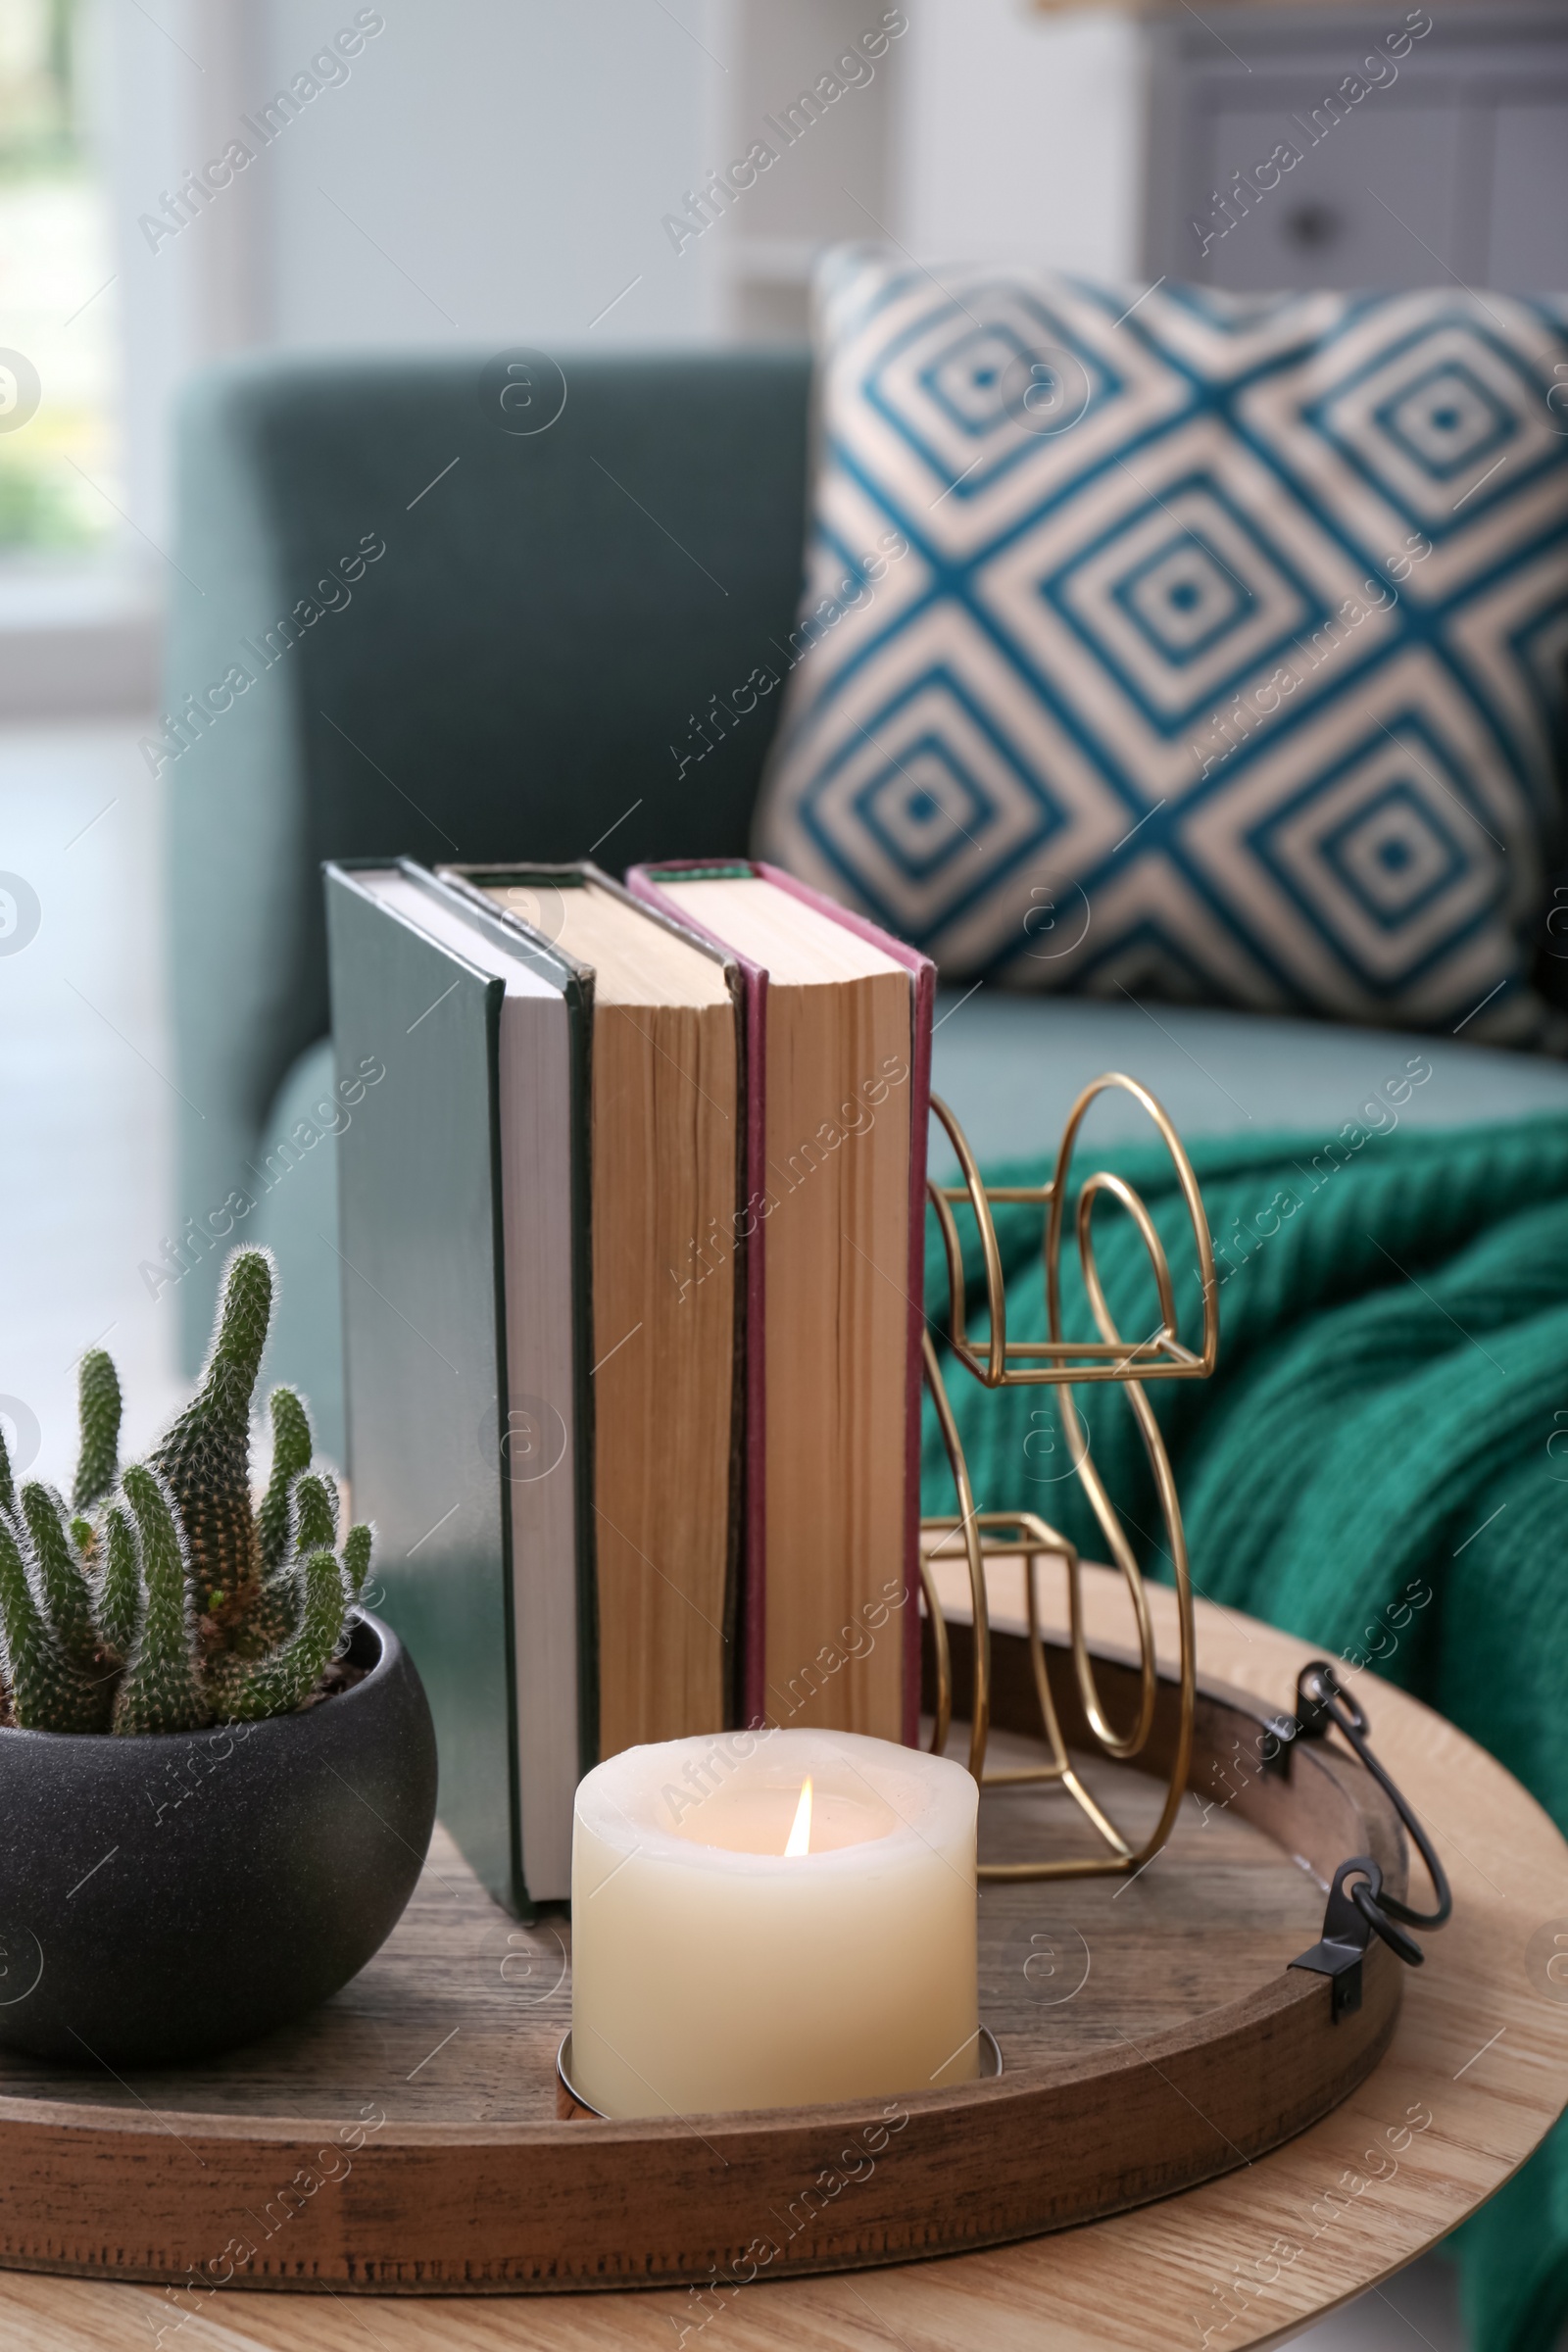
[1000,1362]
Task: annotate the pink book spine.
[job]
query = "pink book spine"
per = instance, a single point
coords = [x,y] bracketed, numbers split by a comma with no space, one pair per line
[643,882]
[923,973]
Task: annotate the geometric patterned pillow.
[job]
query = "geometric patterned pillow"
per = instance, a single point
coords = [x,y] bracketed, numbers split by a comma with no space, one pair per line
[1187,644]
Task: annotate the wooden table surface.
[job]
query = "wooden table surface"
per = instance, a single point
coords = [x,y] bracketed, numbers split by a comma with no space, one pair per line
[1477,2073]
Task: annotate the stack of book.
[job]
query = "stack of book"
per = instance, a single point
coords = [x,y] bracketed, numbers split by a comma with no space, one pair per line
[631,1261]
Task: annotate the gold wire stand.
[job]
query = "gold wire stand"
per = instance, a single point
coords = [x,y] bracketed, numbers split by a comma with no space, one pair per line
[1000,1362]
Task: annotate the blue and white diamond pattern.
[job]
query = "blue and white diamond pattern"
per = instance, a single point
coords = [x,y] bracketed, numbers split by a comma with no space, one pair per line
[1448,420]
[948,375]
[1392,852]
[929,776]
[1427,413]
[1060,592]
[1232,628]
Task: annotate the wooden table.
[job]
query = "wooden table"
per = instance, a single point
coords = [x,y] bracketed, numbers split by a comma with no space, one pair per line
[1481,2048]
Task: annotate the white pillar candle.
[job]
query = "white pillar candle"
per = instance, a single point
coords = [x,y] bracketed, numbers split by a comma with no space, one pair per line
[737,1945]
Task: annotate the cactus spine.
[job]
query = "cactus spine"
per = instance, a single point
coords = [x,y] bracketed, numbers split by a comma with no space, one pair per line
[247,1689]
[167,1601]
[118,1597]
[205,1456]
[60,1574]
[160,1690]
[46,1688]
[98,1394]
[291,1453]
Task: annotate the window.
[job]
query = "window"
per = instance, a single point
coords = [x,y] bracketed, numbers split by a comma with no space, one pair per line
[59,454]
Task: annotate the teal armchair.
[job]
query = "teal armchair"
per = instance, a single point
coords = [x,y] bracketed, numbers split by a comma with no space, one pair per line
[398,627]
[455,640]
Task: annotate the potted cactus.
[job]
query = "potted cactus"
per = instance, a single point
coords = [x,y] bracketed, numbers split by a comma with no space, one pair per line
[216,1769]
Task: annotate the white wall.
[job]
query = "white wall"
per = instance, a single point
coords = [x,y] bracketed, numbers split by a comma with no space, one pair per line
[147,98]
[490,170]
[1020,137]
[498,170]
[514,158]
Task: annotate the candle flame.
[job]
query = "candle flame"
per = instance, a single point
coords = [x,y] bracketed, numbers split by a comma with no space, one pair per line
[800,1839]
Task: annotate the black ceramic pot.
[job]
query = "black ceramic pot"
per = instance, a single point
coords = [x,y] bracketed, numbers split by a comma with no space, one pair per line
[165,1897]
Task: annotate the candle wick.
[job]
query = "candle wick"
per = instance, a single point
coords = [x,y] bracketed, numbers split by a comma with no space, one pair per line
[800,1837]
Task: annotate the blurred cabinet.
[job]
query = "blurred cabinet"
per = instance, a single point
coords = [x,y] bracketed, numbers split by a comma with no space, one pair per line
[1529,186]
[1451,161]
[1116,142]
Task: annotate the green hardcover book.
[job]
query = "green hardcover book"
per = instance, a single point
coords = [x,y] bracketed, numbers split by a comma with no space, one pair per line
[462,1185]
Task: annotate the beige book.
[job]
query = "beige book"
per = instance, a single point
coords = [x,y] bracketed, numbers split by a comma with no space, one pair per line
[665,1143]
[834,1226]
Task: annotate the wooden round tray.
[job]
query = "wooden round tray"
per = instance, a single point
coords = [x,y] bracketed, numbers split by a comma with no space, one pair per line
[405,2138]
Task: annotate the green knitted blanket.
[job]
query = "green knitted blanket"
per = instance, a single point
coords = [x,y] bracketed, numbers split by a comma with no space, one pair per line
[1389,1419]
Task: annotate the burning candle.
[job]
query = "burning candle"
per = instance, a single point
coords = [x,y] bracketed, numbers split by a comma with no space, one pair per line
[771,1919]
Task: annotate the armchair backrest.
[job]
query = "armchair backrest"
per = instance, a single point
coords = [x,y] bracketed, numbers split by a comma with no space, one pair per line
[401,625]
